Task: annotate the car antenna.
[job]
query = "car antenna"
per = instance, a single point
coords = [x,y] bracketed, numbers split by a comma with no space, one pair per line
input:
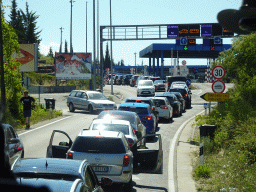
[46,164]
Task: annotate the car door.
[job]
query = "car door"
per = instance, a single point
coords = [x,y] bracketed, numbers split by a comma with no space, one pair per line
[59,150]
[83,101]
[148,160]
[10,146]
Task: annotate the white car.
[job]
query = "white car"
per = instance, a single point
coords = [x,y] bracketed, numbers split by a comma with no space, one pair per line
[115,125]
[145,88]
[89,100]
[164,108]
[176,84]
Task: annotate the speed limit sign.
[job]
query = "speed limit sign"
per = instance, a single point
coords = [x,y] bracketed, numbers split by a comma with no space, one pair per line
[218,72]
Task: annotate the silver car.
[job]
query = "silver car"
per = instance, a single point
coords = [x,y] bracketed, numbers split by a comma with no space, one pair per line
[145,88]
[109,154]
[89,100]
[115,125]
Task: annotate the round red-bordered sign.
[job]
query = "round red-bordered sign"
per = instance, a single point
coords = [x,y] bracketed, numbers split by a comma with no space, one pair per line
[218,86]
[218,72]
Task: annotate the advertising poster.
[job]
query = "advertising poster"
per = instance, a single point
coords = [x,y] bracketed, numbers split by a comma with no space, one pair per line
[27,57]
[73,66]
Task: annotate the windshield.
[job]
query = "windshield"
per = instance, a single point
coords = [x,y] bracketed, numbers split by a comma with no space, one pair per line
[145,83]
[96,96]
[159,81]
[57,176]
[98,145]
[112,127]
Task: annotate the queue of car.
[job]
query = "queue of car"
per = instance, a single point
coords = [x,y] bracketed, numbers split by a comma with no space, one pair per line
[112,149]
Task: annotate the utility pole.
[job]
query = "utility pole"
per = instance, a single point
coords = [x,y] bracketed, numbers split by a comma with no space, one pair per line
[94,64]
[71,47]
[86,26]
[98,28]
[111,54]
[61,39]
[135,63]
[3,100]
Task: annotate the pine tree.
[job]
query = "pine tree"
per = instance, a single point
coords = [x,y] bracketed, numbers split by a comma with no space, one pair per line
[29,19]
[107,63]
[50,52]
[13,14]
[66,47]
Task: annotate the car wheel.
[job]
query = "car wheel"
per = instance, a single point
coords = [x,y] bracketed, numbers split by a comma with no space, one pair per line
[71,107]
[90,108]
[127,187]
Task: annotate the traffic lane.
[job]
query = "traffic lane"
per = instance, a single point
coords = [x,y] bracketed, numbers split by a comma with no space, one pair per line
[37,139]
[159,182]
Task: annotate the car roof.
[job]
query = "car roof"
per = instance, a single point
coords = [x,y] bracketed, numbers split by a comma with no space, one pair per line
[145,80]
[111,121]
[119,112]
[134,105]
[86,91]
[49,165]
[166,94]
[139,98]
[93,133]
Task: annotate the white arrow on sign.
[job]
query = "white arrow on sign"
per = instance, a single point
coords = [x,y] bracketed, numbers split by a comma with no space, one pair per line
[218,86]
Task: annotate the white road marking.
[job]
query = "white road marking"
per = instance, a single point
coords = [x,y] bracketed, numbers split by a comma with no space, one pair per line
[135,178]
[171,179]
[44,125]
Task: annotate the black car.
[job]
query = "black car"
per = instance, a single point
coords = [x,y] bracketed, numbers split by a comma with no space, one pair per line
[13,146]
[159,85]
[132,117]
[175,103]
[186,94]
[133,80]
[147,100]
[119,80]
[126,79]
[170,79]
[181,99]
[154,78]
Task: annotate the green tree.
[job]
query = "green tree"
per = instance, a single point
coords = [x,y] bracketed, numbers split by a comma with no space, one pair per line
[12,76]
[49,59]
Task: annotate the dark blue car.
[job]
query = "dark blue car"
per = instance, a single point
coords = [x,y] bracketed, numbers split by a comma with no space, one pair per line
[144,112]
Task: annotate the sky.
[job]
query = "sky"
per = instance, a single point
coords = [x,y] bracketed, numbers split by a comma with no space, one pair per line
[54,14]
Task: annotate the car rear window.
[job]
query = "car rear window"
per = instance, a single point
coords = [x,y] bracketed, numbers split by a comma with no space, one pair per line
[138,101]
[159,102]
[108,115]
[138,110]
[112,127]
[98,145]
[182,91]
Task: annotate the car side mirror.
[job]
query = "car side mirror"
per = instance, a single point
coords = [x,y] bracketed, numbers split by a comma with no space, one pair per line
[105,181]
[62,143]
[13,141]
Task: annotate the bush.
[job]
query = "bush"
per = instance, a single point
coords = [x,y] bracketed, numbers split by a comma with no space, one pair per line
[202,171]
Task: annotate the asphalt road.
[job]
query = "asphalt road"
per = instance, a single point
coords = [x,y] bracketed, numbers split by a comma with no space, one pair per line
[37,139]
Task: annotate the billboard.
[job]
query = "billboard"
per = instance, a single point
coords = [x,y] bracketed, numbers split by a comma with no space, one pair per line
[73,66]
[27,57]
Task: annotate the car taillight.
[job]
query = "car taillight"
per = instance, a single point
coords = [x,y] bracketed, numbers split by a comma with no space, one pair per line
[130,142]
[164,107]
[133,80]
[147,117]
[126,160]
[186,95]
[70,155]
[157,85]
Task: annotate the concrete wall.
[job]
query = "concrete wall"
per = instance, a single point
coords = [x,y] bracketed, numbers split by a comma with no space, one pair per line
[51,89]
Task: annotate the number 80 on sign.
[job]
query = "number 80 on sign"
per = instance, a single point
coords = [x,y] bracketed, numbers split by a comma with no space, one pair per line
[218,72]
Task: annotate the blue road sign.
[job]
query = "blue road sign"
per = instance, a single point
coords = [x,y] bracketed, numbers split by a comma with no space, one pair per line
[217,40]
[183,41]
[188,82]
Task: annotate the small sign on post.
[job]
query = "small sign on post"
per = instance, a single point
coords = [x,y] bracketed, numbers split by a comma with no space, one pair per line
[201,153]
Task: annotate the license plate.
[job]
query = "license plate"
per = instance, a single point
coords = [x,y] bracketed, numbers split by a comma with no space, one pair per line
[100,169]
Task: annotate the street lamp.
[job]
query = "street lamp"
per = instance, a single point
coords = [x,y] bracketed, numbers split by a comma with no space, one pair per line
[71,47]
